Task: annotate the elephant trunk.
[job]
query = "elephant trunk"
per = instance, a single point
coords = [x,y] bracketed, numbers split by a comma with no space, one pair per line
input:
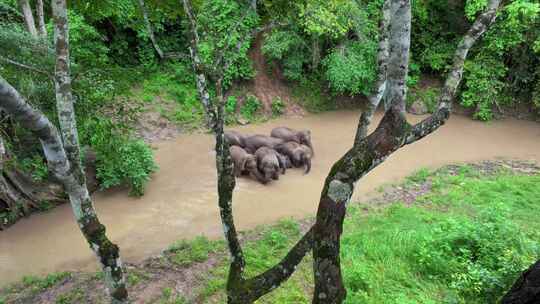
[307,163]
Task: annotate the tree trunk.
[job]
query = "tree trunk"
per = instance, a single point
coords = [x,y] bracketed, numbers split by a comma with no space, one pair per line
[380,85]
[526,289]
[150,29]
[82,205]
[41,19]
[28,17]
[392,133]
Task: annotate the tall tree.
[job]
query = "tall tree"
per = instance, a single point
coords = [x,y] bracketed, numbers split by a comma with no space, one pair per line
[239,289]
[150,29]
[41,19]
[28,17]
[82,205]
[392,133]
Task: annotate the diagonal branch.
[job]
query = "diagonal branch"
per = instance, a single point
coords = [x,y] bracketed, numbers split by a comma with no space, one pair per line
[432,123]
[392,133]
[150,29]
[380,85]
[252,289]
[28,67]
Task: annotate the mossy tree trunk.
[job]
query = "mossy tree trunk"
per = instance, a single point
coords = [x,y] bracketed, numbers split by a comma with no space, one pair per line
[26,10]
[41,19]
[239,289]
[75,186]
[392,133]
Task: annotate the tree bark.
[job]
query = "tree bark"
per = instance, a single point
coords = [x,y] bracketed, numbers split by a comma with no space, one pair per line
[150,29]
[380,85]
[82,205]
[239,289]
[526,289]
[28,17]
[41,19]
[392,133]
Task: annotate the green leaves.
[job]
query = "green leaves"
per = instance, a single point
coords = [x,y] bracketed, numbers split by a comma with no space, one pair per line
[352,69]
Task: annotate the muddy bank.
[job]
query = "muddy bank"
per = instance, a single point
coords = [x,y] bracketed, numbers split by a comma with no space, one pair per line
[181,199]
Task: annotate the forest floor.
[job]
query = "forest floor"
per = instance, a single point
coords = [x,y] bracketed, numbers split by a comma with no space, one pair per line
[391,247]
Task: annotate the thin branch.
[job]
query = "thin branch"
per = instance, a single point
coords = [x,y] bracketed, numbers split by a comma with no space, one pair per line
[380,85]
[437,119]
[263,283]
[28,67]
[150,29]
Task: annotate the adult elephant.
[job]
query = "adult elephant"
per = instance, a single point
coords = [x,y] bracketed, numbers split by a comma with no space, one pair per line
[245,163]
[288,134]
[235,138]
[254,142]
[299,154]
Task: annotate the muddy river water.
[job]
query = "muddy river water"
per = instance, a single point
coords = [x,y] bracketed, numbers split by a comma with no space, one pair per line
[180,201]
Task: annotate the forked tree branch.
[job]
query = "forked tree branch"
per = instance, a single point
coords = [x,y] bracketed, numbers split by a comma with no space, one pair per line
[437,119]
[379,87]
[392,133]
[239,289]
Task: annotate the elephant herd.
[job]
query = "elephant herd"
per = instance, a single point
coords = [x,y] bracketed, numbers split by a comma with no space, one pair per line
[264,157]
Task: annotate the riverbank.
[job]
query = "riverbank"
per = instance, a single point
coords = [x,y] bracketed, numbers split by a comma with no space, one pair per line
[393,247]
[181,198]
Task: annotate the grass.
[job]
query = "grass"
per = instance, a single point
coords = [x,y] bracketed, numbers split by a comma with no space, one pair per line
[185,253]
[464,242]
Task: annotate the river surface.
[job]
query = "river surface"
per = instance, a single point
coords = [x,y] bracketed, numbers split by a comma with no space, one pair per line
[181,200]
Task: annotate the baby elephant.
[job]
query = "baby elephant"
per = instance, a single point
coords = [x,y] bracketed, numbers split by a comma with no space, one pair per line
[288,134]
[235,138]
[269,163]
[245,163]
[299,154]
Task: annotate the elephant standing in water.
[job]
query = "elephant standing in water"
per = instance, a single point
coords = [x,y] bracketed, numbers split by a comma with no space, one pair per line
[254,142]
[245,163]
[269,163]
[288,134]
[235,138]
[299,154]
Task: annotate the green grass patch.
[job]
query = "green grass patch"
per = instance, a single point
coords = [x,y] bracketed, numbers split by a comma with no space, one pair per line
[42,283]
[464,242]
[184,253]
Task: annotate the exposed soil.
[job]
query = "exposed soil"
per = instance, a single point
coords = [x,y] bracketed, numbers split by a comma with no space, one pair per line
[148,279]
[269,83]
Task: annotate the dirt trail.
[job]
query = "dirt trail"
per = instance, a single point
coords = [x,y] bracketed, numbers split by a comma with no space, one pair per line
[181,199]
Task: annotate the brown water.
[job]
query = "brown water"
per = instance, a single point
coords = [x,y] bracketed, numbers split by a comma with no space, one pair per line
[180,201]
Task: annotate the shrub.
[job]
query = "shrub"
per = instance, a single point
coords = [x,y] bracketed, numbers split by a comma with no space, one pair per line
[120,159]
[278,107]
[250,107]
[478,257]
[352,69]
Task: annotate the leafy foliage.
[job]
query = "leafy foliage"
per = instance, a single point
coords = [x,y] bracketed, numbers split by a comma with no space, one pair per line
[250,107]
[120,160]
[352,69]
